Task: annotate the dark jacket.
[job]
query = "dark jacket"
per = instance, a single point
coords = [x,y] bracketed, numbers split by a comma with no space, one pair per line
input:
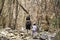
[28,24]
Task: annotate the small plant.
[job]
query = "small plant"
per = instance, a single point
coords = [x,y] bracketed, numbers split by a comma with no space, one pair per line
[54,21]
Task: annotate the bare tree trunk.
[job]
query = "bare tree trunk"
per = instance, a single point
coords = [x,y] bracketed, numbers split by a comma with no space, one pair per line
[3,22]
[56,12]
[16,14]
[10,13]
[2,6]
[3,18]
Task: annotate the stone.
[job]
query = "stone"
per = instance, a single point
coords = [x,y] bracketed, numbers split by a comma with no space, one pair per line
[10,34]
[57,37]
[3,38]
[35,35]
[4,33]
[15,34]
[13,37]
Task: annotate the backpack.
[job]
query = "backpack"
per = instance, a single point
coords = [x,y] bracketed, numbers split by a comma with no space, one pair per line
[28,22]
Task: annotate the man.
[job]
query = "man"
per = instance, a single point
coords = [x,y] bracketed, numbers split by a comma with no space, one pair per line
[28,23]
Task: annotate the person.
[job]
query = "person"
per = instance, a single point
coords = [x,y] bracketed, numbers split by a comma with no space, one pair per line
[34,28]
[28,23]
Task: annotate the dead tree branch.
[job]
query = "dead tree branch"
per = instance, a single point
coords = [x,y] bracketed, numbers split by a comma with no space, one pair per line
[23,8]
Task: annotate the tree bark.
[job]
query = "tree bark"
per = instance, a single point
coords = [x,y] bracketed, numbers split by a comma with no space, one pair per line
[3,1]
[10,13]
[16,14]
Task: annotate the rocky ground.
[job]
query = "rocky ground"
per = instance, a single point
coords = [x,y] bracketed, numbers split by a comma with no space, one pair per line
[9,34]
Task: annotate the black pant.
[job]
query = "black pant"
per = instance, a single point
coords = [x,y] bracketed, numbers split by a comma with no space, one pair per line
[42,39]
[28,27]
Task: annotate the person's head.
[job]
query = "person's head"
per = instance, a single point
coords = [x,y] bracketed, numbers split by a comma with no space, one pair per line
[34,24]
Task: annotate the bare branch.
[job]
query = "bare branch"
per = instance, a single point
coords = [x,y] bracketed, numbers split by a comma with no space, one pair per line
[23,8]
